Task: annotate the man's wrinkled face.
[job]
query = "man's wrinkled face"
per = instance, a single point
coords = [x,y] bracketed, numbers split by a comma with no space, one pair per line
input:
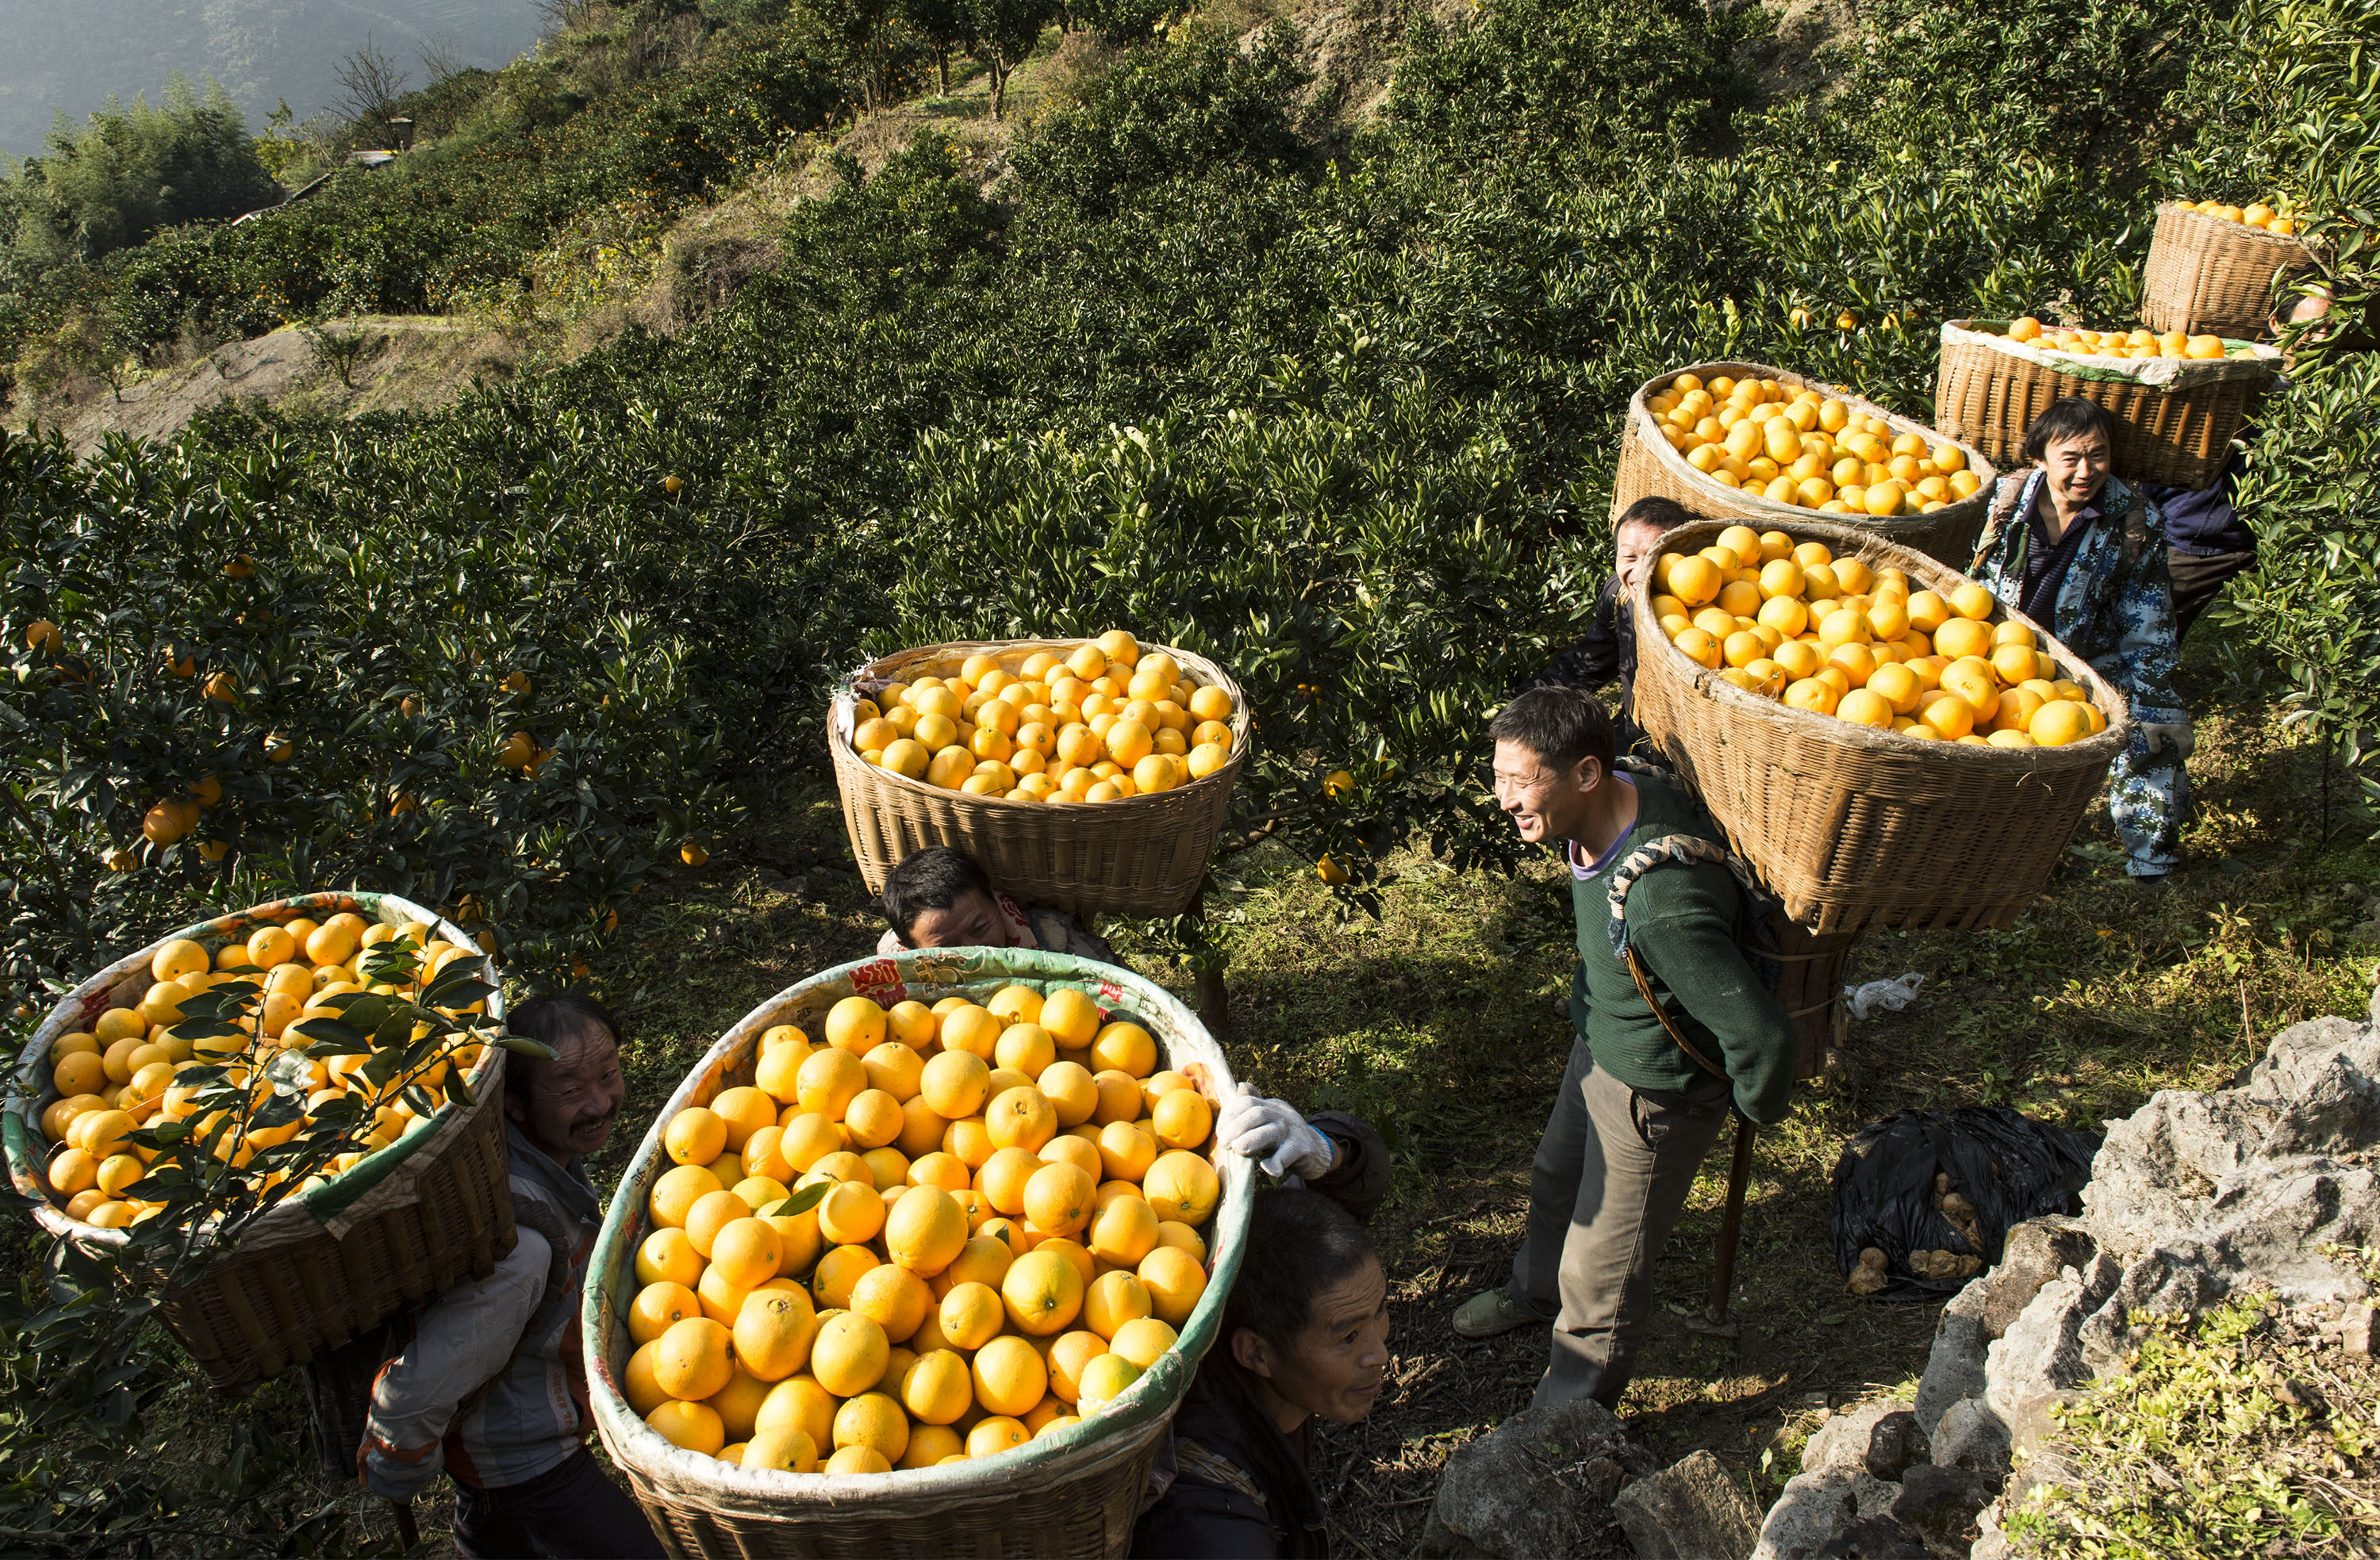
[1545,803]
[576,1097]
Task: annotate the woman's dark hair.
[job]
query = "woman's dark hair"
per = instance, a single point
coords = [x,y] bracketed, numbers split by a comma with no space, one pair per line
[1300,1243]
[1662,514]
[2070,419]
[1559,725]
[552,1020]
[934,879]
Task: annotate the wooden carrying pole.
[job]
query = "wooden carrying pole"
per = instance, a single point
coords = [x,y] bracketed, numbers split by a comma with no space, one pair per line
[1730,1228]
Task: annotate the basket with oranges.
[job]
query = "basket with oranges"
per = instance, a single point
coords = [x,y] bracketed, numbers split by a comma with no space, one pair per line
[935,1222]
[1883,743]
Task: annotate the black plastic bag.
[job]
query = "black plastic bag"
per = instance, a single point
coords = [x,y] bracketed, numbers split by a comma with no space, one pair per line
[2008,1167]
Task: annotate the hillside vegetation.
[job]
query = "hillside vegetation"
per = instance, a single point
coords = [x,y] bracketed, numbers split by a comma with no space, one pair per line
[1338,411]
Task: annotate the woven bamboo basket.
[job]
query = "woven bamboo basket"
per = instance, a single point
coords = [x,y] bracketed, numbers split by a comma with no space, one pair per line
[2175,417]
[1852,828]
[1811,988]
[1074,1495]
[2211,276]
[1143,856]
[407,1223]
[1649,467]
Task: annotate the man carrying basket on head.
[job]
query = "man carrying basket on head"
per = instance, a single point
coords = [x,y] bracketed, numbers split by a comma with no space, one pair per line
[1673,1029]
[2084,553]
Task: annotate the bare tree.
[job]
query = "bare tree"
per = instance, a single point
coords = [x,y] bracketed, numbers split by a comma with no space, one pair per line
[370,82]
[560,16]
[442,57]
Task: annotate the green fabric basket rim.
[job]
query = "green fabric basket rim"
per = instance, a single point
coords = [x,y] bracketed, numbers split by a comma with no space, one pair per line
[1153,1397]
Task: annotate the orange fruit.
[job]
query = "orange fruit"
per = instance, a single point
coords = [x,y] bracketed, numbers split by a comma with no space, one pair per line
[1071,1017]
[1126,1047]
[1026,1047]
[1183,1186]
[782,1447]
[1175,1281]
[855,1025]
[1058,1198]
[677,1191]
[1862,707]
[659,1306]
[694,1426]
[954,1082]
[1105,1379]
[711,1212]
[2056,723]
[694,1358]
[873,1118]
[1971,601]
[984,1260]
[1073,1148]
[1004,1177]
[849,1354]
[1010,1376]
[1143,1341]
[930,1445]
[896,1070]
[1119,1097]
[922,1129]
[972,1314]
[1114,1299]
[925,1230]
[1042,1291]
[772,1332]
[1066,1359]
[938,1168]
[973,1030]
[778,1072]
[852,1214]
[856,1459]
[837,1272]
[797,1403]
[939,1388]
[738,1403]
[830,1080]
[722,1302]
[1948,715]
[746,1252]
[967,1140]
[636,1383]
[744,1110]
[1021,1117]
[1125,1151]
[999,1434]
[1125,1231]
[893,1297]
[1183,1119]
[1176,1234]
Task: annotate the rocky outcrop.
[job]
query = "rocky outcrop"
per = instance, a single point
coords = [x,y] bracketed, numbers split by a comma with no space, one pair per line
[2195,1196]
[1691,1510]
[1540,1486]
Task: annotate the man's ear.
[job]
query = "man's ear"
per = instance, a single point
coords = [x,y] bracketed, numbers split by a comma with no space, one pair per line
[1253,1353]
[1590,773]
[513,1109]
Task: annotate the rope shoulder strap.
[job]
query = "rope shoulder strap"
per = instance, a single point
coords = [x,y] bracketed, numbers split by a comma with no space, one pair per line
[1686,848]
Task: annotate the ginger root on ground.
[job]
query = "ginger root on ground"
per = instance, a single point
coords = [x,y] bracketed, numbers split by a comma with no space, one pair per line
[1872,1273]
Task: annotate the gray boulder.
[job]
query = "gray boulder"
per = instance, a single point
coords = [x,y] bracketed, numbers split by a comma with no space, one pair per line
[2034,1253]
[1895,1445]
[2040,1351]
[1810,1514]
[1843,1441]
[1691,1510]
[1955,1369]
[1940,1503]
[1537,1487]
[1876,1538]
[1971,1438]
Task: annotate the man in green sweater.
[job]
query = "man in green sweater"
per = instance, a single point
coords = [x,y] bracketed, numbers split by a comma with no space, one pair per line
[1636,1113]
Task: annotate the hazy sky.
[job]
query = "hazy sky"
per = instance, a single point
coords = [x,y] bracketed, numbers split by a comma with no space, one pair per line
[72,53]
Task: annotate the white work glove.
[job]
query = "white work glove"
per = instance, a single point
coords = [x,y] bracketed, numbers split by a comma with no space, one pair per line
[1274,1135]
[2177,732]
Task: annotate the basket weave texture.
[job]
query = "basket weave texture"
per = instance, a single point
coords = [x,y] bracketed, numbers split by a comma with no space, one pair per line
[1069,1496]
[1649,467]
[407,1223]
[1811,989]
[1142,856]
[1853,828]
[2210,276]
[2175,417]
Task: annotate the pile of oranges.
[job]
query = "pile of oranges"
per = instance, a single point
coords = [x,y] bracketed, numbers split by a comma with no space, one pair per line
[2278,219]
[1790,621]
[1801,448]
[941,1233]
[1097,724]
[121,1075]
[2114,344]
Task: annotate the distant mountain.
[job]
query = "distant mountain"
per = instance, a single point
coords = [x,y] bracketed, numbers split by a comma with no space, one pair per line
[71,53]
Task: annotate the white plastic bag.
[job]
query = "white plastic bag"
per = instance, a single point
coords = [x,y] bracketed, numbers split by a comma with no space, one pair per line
[1884,996]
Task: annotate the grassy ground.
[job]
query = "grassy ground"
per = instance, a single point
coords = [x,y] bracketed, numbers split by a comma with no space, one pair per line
[1439,1022]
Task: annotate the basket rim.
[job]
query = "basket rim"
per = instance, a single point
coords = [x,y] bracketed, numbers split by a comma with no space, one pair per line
[2098,748]
[2238,232]
[840,710]
[1641,425]
[2259,361]
[639,1447]
[20,1123]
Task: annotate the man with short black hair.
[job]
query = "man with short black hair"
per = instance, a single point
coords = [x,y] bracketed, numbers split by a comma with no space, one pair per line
[1636,1111]
[1606,651]
[491,1387]
[941,898]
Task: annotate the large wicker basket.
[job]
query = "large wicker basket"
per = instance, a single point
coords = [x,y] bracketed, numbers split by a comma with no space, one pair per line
[409,1222]
[1069,1496]
[1853,828]
[1649,467]
[2175,417]
[1143,856]
[1811,988]
[2210,276]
